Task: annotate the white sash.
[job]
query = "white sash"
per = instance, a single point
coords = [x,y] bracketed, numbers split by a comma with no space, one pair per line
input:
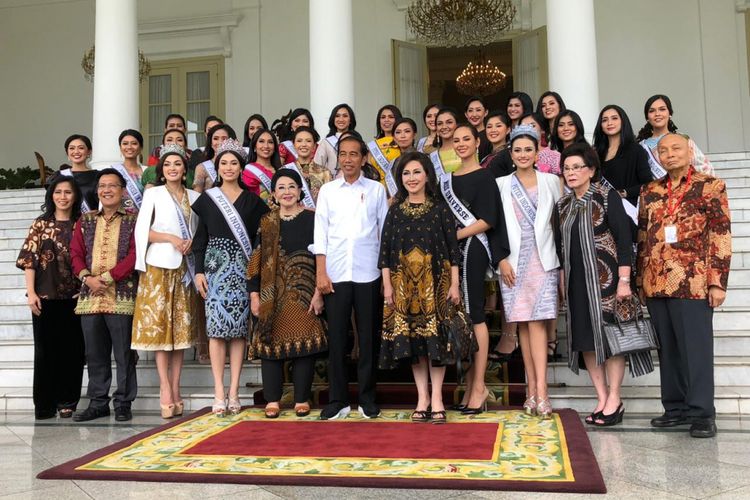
[421,143]
[437,163]
[68,172]
[333,140]
[210,170]
[656,169]
[185,233]
[290,147]
[630,209]
[308,201]
[522,197]
[385,165]
[464,216]
[261,175]
[130,184]
[233,219]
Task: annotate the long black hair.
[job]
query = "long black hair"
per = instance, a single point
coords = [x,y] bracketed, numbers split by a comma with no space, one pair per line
[275,158]
[219,180]
[245,137]
[445,109]
[332,119]
[209,150]
[555,142]
[160,180]
[282,127]
[396,113]
[560,104]
[431,187]
[601,140]
[648,130]
[48,208]
[311,131]
[526,103]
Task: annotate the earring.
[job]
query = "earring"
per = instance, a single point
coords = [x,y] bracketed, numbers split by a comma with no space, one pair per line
[184,178]
[163,179]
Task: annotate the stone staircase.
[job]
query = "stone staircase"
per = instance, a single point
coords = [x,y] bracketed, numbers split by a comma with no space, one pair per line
[641,395]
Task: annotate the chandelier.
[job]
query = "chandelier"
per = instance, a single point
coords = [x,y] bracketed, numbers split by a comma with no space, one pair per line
[87,63]
[459,23]
[480,77]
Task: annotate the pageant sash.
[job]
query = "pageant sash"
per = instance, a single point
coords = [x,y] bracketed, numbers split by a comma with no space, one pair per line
[308,200]
[130,184]
[84,206]
[523,199]
[421,143]
[385,165]
[630,209]
[290,147]
[656,169]
[185,234]
[464,216]
[333,140]
[210,170]
[261,175]
[233,219]
[438,164]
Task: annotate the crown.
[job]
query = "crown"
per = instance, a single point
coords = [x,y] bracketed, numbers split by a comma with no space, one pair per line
[524,129]
[232,145]
[171,148]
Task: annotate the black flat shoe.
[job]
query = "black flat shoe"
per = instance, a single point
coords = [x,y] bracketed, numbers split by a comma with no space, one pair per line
[615,418]
[90,413]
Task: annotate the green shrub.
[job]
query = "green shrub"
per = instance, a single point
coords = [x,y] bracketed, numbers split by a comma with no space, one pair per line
[20,178]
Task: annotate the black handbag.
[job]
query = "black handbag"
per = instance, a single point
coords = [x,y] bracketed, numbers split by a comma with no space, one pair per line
[631,332]
[459,338]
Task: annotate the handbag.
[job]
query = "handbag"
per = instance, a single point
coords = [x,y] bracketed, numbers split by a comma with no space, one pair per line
[458,336]
[631,332]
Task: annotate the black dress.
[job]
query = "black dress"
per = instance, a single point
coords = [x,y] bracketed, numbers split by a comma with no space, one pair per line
[86,181]
[419,247]
[578,304]
[478,191]
[502,164]
[628,170]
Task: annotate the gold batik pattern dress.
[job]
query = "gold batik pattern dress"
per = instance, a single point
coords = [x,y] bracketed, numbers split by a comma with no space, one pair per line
[165,317]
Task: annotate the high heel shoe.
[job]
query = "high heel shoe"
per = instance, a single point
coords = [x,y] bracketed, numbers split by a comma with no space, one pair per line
[167,411]
[179,408]
[500,357]
[481,408]
[604,420]
[234,406]
[530,405]
[552,354]
[458,407]
[219,408]
[544,408]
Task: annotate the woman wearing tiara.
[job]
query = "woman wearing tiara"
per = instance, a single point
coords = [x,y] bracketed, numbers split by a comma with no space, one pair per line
[229,215]
[206,172]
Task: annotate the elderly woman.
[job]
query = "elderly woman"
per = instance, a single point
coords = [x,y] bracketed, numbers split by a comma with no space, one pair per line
[288,326]
[51,288]
[595,246]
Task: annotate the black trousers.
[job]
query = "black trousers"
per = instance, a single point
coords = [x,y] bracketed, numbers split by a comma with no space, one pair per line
[106,334]
[686,356]
[58,356]
[367,302]
[272,371]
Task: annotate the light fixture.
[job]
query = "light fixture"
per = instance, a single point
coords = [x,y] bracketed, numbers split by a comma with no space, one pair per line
[87,63]
[480,77]
[459,23]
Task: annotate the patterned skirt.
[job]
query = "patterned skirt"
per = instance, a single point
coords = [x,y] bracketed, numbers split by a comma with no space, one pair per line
[227,302]
[164,317]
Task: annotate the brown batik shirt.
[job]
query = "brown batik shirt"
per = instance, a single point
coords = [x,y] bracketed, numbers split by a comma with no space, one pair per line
[701,254]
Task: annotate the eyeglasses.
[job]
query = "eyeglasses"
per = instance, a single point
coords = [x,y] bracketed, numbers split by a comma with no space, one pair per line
[574,168]
[108,186]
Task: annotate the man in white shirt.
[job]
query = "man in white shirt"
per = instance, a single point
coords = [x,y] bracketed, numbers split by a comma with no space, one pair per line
[349,219]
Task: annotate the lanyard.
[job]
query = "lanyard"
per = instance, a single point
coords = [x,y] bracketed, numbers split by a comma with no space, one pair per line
[670,208]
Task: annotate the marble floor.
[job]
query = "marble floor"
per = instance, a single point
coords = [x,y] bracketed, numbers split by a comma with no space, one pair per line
[636,463]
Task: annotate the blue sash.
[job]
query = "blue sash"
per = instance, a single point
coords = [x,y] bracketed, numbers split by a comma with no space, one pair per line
[210,170]
[524,200]
[656,169]
[290,147]
[233,219]
[185,233]
[333,140]
[308,201]
[630,209]
[421,143]
[68,172]
[437,163]
[261,175]
[133,189]
[385,165]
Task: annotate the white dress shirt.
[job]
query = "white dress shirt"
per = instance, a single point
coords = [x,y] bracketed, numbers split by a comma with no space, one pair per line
[348,223]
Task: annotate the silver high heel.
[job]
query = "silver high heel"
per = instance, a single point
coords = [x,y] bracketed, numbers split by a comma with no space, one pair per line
[530,406]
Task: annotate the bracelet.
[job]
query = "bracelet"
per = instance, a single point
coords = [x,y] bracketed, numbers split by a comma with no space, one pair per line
[624,279]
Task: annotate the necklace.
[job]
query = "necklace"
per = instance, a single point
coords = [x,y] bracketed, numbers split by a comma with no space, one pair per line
[287,218]
[415,210]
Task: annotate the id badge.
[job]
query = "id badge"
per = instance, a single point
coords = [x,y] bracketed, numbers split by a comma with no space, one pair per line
[670,234]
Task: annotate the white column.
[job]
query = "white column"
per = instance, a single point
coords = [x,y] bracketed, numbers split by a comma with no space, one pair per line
[331,58]
[115,78]
[571,52]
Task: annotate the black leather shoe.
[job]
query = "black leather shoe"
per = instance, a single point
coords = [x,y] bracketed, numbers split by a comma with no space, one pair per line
[668,421]
[703,429]
[90,413]
[123,414]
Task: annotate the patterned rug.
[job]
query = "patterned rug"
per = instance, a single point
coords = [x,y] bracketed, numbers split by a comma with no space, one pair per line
[497,450]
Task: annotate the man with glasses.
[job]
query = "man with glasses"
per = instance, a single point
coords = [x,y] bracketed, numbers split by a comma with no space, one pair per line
[103,257]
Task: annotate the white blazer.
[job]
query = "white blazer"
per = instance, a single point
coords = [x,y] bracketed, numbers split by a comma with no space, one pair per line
[548,192]
[158,212]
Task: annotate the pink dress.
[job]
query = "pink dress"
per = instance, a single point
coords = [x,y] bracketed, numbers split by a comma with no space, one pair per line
[548,161]
[254,184]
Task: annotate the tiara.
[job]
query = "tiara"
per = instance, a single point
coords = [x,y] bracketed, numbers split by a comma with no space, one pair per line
[232,145]
[524,129]
[170,149]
